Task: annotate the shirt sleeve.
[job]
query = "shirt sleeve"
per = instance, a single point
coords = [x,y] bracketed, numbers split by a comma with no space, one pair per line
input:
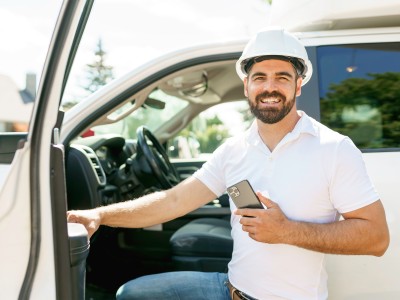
[351,187]
[211,173]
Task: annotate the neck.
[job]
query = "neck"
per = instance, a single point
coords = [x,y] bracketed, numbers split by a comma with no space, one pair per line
[272,134]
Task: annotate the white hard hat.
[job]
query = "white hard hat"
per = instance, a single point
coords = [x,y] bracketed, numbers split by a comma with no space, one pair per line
[275,43]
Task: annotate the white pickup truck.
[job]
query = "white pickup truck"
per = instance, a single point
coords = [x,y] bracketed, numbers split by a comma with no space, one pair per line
[355,89]
[98,152]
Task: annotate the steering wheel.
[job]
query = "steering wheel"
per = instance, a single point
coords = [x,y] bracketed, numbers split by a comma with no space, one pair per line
[156,156]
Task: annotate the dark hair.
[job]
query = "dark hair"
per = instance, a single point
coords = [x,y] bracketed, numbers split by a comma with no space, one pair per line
[297,63]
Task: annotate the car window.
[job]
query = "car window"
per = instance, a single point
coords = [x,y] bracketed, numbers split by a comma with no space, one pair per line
[121,38]
[161,107]
[210,129]
[360,92]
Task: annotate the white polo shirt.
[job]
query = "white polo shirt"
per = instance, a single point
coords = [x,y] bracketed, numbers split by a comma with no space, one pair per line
[314,174]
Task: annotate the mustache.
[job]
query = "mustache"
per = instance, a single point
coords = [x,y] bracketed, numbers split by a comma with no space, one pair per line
[267,94]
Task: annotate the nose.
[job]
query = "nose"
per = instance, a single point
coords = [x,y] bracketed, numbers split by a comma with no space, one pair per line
[270,85]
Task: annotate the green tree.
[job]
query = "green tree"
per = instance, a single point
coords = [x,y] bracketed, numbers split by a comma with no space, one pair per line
[99,73]
[247,116]
[214,135]
[210,132]
[365,109]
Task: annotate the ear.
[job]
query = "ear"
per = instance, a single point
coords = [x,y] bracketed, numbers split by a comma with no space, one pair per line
[298,86]
[245,87]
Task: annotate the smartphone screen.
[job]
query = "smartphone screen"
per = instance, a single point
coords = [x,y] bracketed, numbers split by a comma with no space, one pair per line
[243,195]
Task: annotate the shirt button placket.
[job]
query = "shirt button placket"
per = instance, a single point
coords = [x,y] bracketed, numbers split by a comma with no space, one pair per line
[270,166]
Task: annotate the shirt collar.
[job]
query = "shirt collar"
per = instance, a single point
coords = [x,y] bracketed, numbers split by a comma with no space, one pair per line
[305,124]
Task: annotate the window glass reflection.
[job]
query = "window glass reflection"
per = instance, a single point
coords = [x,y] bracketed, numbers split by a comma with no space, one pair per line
[360,92]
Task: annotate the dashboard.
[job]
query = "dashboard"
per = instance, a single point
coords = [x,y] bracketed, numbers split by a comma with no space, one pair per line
[101,170]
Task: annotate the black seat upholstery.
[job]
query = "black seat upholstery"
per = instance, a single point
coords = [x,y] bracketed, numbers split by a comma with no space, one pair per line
[203,245]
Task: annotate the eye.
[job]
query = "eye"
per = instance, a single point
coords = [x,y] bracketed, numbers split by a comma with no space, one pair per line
[283,78]
[258,78]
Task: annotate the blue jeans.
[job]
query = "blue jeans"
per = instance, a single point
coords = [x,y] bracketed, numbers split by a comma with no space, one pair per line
[185,285]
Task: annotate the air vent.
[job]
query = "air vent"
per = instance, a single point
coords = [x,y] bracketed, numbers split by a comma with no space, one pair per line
[97,168]
[94,162]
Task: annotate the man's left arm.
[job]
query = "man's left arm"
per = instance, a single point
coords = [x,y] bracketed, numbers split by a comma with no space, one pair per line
[363,231]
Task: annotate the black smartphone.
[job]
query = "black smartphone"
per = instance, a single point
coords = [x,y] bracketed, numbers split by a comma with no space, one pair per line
[243,195]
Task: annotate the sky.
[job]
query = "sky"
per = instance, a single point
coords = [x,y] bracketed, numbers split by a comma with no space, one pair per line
[25,32]
[135,30]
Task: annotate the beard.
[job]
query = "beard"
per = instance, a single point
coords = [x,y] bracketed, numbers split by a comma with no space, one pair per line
[271,115]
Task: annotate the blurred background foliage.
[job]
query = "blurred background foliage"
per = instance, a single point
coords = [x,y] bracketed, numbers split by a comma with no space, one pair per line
[365,109]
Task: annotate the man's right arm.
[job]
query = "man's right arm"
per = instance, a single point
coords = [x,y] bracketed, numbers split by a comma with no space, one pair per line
[148,210]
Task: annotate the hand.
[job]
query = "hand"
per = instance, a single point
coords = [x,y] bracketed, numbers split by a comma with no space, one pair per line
[265,225]
[88,218]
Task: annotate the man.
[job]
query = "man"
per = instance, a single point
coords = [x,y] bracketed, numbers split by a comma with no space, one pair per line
[309,175]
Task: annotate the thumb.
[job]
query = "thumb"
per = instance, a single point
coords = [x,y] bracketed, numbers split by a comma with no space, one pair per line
[266,201]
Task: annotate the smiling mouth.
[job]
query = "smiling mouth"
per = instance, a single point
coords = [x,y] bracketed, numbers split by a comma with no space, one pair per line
[270,100]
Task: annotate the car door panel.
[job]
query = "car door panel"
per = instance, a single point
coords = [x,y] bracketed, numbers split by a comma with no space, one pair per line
[35,259]
[9,144]
[187,167]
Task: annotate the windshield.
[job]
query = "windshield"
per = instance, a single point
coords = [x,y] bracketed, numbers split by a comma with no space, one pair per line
[121,36]
[150,114]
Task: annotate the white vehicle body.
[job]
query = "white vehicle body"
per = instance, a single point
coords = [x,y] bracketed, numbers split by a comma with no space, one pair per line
[34,253]
[327,23]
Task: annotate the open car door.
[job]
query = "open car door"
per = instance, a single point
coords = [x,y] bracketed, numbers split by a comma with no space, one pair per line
[35,257]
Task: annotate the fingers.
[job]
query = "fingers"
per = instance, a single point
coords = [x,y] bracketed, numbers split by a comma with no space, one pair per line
[247,221]
[251,231]
[75,217]
[86,218]
[71,217]
[247,212]
[266,201]
[248,228]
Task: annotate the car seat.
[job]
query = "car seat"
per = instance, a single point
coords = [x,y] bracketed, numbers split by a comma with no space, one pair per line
[203,244]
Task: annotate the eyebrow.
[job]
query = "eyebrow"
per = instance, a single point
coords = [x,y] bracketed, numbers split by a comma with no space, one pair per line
[283,73]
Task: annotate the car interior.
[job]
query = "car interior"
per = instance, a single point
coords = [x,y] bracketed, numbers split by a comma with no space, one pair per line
[155,126]
[139,147]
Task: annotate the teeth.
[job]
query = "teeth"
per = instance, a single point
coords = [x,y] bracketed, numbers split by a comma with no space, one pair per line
[270,101]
